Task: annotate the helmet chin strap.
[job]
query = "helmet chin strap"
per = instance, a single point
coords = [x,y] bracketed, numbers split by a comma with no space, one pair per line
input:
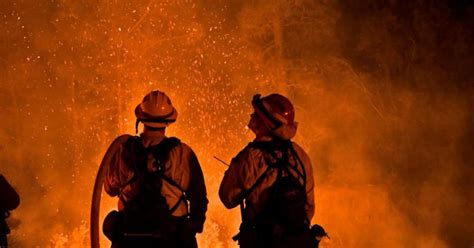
[136,126]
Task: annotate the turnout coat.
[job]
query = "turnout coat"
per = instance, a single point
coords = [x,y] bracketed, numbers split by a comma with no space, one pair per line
[182,167]
[250,164]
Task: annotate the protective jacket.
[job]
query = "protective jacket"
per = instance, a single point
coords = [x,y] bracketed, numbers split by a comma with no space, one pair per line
[244,171]
[250,164]
[182,167]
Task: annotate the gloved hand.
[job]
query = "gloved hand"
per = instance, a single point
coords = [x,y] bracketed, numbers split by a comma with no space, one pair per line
[318,232]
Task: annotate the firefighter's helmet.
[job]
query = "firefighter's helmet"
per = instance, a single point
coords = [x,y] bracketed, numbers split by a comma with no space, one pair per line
[274,110]
[156,110]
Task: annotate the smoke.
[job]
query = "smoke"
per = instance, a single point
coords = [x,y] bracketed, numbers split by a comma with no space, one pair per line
[383,94]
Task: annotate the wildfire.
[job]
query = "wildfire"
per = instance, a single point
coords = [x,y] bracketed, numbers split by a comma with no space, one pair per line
[382,95]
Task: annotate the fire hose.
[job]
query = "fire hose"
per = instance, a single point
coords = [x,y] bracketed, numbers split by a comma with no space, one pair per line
[95,207]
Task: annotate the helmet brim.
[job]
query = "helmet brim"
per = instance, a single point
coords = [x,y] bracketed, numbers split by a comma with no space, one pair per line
[155,121]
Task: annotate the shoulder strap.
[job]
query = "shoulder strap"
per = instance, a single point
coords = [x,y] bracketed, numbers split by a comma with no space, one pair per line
[161,154]
[139,155]
[134,144]
[286,147]
[247,192]
[269,147]
[259,180]
[298,161]
[161,150]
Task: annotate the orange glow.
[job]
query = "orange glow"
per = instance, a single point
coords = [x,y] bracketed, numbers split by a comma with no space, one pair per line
[383,96]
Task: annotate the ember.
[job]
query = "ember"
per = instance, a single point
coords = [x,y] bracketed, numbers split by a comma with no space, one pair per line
[383,94]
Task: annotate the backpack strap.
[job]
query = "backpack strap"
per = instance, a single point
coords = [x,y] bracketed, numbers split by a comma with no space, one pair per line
[298,161]
[161,154]
[184,195]
[270,148]
[247,192]
[133,143]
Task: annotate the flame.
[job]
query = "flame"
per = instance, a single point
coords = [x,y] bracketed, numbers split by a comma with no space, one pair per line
[382,92]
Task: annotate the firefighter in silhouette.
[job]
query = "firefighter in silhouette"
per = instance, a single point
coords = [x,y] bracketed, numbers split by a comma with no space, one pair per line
[158,180]
[272,180]
[9,200]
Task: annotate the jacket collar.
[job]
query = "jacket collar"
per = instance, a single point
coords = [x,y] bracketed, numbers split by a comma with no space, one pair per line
[150,138]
